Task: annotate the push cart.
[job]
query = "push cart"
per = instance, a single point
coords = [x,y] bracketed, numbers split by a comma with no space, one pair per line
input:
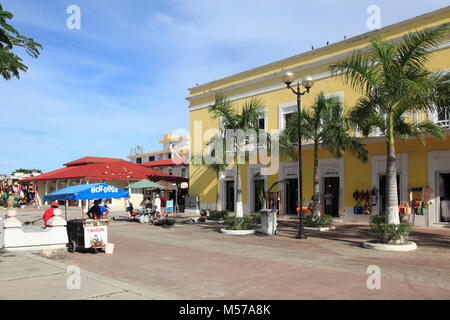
[87,233]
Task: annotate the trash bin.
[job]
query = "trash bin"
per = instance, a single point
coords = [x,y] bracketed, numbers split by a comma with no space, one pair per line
[269,221]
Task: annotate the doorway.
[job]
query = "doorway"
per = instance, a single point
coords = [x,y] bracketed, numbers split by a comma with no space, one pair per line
[259,192]
[331,191]
[229,196]
[444,193]
[291,196]
[382,184]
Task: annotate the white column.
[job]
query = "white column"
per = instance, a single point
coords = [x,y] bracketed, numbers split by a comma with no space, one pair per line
[46,191]
[79,201]
[87,201]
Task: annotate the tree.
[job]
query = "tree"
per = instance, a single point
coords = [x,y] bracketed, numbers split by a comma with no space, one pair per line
[10,38]
[216,164]
[323,124]
[26,171]
[233,121]
[395,82]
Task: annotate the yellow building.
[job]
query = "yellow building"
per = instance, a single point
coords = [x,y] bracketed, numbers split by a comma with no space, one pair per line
[417,166]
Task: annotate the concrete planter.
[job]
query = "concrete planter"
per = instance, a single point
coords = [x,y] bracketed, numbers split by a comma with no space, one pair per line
[321,229]
[237,232]
[375,245]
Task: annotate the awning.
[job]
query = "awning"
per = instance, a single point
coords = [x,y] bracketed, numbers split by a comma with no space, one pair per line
[87,192]
[144,184]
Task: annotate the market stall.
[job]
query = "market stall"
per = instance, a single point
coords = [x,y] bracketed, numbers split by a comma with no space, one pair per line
[87,233]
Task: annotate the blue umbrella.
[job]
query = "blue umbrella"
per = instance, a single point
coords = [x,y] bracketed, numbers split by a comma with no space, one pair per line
[87,192]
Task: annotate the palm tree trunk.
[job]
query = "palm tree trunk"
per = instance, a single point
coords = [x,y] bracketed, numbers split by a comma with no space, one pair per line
[392,216]
[239,210]
[218,198]
[316,180]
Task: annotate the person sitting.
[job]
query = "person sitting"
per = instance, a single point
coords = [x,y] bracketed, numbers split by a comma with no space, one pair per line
[48,214]
[95,212]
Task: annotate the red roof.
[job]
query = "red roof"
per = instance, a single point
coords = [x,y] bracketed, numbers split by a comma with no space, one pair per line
[167,162]
[90,160]
[109,170]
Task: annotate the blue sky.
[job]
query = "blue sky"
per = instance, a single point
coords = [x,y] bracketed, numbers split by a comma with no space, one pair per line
[122,79]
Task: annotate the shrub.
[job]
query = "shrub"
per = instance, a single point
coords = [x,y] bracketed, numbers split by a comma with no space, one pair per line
[389,233]
[217,215]
[321,221]
[233,223]
[256,216]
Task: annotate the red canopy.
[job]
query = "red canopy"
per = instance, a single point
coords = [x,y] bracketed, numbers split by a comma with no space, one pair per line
[105,169]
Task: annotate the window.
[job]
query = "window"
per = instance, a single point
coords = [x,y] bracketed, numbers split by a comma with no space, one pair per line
[444,117]
[171,171]
[151,158]
[183,172]
[138,160]
[262,123]
[169,156]
[288,117]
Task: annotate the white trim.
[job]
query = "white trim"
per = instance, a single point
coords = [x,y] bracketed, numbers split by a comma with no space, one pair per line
[283,110]
[228,174]
[326,164]
[282,176]
[252,170]
[271,76]
[402,170]
[250,93]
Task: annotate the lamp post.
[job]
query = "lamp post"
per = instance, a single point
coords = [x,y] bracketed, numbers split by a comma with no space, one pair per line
[307,82]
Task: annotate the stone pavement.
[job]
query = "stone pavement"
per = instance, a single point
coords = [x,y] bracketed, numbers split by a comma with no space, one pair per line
[27,276]
[191,261]
[195,261]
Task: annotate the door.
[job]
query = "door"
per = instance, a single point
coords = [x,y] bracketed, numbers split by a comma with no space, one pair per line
[291,196]
[259,192]
[383,193]
[444,197]
[229,196]
[331,196]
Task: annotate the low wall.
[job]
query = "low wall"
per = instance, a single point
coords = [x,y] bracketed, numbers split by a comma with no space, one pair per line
[14,237]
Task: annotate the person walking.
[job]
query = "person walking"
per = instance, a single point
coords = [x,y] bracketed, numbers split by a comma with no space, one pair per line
[129,207]
[158,205]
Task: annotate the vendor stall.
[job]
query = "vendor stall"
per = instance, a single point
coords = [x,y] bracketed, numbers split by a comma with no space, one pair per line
[87,233]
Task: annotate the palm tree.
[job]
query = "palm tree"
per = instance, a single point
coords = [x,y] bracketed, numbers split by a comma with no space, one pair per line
[214,163]
[323,124]
[231,119]
[394,82]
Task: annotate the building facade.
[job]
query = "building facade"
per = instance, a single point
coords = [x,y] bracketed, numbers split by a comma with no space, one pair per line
[172,160]
[425,168]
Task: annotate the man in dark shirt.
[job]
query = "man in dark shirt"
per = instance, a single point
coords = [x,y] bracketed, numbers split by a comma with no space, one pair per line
[95,212]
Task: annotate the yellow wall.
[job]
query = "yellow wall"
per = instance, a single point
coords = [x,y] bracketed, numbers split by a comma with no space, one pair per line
[357,174]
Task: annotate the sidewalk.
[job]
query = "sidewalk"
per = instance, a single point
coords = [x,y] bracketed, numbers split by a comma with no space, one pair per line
[29,276]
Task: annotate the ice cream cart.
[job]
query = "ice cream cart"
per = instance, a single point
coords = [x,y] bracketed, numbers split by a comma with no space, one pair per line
[87,233]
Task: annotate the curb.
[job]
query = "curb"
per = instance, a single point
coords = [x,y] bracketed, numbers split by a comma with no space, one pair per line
[320,229]
[410,246]
[237,232]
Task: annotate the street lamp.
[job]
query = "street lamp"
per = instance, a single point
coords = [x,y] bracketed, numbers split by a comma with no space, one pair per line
[307,82]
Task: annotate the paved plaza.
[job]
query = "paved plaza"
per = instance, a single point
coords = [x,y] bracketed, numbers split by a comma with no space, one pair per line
[195,261]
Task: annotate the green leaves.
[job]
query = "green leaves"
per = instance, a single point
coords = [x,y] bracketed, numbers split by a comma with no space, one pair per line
[394,81]
[324,123]
[10,63]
